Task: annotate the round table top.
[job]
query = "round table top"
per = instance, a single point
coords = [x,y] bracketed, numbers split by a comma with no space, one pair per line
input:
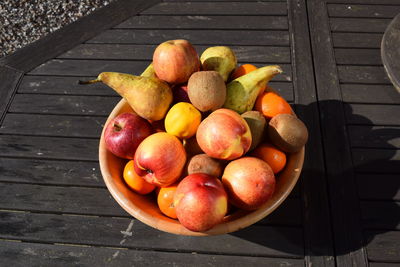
[390,51]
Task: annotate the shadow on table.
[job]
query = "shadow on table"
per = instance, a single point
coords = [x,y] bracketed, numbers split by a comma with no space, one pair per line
[368,161]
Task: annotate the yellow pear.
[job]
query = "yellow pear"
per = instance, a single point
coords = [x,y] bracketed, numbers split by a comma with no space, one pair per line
[149,97]
[241,93]
[149,71]
[220,59]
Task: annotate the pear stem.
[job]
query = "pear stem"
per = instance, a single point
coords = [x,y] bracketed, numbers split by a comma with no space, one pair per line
[89,82]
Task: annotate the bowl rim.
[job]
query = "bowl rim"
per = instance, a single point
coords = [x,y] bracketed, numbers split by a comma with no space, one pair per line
[245,219]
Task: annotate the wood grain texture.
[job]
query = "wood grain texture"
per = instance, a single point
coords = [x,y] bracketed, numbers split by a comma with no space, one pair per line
[376,160]
[363,74]
[9,81]
[359,25]
[370,93]
[374,137]
[50,228]
[349,56]
[364,11]
[388,189]
[357,40]
[380,115]
[383,246]
[36,254]
[75,33]
[205,22]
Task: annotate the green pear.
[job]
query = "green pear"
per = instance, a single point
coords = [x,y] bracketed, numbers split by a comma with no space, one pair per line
[241,93]
[149,71]
[149,97]
[256,122]
[220,59]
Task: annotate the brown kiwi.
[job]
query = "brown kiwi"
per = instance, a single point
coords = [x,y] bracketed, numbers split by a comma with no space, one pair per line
[206,90]
[202,163]
[287,132]
[256,122]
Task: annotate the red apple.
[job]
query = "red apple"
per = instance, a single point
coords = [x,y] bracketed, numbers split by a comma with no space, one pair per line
[200,202]
[224,134]
[124,133]
[175,60]
[249,182]
[160,159]
[180,93]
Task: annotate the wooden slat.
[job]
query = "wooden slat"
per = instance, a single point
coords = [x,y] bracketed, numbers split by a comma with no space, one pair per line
[370,93]
[75,33]
[205,22]
[349,56]
[35,254]
[383,264]
[106,231]
[367,11]
[289,213]
[62,85]
[38,171]
[357,40]
[9,80]
[374,137]
[380,215]
[68,105]
[58,199]
[376,160]
[259,54]
[359,25]
[383,246]
[379,186]
[363,74]
[209,8]
[94,67]
[53,125]
[49,147]
[373,114]
[196,37]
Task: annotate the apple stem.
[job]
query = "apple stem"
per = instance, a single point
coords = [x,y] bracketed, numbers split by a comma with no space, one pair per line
[149,171]
[89,82]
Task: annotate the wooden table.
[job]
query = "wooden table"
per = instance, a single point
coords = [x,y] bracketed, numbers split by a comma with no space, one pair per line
[56,211]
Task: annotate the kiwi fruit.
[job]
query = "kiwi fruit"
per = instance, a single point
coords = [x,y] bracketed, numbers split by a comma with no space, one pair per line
[287,132]
[206,90]
[202,163]
[256,122]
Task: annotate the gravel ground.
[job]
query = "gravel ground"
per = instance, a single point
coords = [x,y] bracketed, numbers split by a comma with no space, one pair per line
[25,21]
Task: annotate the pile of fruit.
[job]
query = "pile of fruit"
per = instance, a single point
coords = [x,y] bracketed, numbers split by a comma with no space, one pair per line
[206,136]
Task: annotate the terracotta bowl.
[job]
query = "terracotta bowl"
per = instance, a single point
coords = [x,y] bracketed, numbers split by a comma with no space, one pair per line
[145,209]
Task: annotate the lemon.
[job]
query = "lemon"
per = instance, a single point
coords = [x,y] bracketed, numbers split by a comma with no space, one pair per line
[182,120]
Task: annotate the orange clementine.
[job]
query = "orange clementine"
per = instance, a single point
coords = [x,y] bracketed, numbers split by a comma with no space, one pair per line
[271,104]
[135,182]
[242,70]
[275,158]
[165,200]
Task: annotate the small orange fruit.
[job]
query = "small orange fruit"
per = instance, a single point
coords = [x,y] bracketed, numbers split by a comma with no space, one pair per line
[135,182]
[270,104]
[165,200]
[242,70]
[275,158]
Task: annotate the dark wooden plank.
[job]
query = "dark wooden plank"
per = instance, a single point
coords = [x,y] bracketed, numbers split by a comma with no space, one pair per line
[370,93]
[383,245]
[35,254]
[206,22]
[383,264]
[68,105]
[94,67]
[209,8]
[376,160]
[196,37]
[369,2]
[363,74]
[58,199]
[380,214]
[106,231]
[9,81]
[75,33]
[51,172]
[359,25]
[259,54]
[53,125]
[349,56]
[319,248]
[374,137]
[61,85]
[357,40]
[372,114]
[366,11]
[289,213]
[390,51]
[224,1]
[49,147]
[379,186]
[344,202]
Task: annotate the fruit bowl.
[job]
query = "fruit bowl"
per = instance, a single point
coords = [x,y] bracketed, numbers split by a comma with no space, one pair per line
[145,209]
